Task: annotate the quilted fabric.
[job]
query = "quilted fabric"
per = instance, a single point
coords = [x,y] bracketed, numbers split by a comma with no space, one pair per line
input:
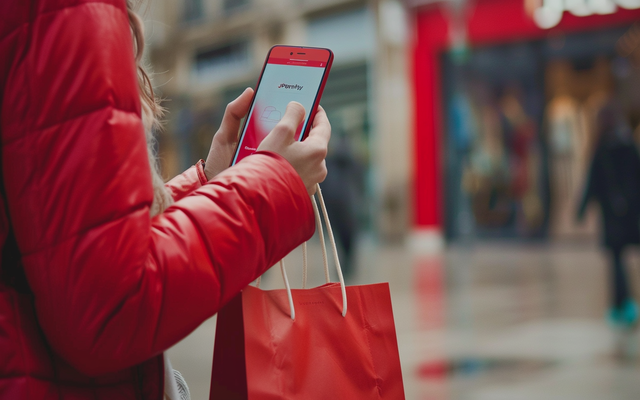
[109,288]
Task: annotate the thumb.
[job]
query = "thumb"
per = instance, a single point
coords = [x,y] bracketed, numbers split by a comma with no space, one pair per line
[292,118]
[233,114]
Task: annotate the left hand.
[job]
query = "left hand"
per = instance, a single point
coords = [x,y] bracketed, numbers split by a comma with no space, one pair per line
[226,139]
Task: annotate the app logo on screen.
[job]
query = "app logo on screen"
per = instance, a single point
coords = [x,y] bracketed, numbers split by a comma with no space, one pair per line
[286,86]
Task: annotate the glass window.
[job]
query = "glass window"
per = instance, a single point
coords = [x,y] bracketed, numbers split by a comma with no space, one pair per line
[222,62]
[495,177]
[230,6]
[351,35]
[193,10]
[520,130]
[345,100]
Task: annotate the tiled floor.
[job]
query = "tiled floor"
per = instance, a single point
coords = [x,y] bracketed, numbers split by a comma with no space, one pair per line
[483,322]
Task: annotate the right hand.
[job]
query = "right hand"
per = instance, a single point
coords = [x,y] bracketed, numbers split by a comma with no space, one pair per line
[306,157]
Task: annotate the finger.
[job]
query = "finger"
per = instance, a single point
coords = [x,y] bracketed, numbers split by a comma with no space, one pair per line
[292,118]
[320,117]
[321,127]
[233,114]
[324,171]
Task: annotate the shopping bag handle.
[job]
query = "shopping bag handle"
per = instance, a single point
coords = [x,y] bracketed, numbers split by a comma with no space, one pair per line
[305,258]
[334,249]
[323,246]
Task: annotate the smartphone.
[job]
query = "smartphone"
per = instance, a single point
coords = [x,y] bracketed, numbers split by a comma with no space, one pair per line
[290,73]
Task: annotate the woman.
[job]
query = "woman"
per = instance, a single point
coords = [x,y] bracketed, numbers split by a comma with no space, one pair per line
[614,182]
[103,268]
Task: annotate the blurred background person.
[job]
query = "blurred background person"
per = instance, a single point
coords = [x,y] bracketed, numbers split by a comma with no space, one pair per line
[614,183]
[342,194]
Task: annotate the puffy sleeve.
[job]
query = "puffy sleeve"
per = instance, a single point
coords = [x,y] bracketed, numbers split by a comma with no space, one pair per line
[113,287]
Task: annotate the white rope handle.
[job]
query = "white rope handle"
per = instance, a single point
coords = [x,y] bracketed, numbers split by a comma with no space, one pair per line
[304,265]
[323,246]
[286,284]
[289,295]
[334,249]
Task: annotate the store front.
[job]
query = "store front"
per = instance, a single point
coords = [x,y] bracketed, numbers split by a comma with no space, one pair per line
[505,109]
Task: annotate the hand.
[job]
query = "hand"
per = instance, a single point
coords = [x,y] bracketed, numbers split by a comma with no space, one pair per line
[226,139]
[306,157]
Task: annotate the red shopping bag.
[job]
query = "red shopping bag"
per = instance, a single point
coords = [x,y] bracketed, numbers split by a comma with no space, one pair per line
[307,344]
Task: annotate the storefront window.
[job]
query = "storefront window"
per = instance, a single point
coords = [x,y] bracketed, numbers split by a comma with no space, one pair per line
[494,168]
[520,132]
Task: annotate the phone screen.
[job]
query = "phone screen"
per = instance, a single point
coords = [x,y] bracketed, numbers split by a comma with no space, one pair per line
[290,74]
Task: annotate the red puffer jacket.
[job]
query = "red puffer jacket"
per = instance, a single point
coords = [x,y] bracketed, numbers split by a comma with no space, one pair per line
[99,289]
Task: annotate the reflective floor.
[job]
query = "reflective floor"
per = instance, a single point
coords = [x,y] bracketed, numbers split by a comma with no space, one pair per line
[497,321]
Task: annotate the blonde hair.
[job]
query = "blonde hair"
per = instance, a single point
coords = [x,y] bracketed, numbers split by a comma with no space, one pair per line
[152,112]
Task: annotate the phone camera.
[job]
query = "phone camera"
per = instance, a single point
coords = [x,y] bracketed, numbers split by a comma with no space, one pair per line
[291,53]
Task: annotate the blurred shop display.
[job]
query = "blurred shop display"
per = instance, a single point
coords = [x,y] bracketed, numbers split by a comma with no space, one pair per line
[526,155]
[210,50]
[496,165]
[506,112]
[576,92]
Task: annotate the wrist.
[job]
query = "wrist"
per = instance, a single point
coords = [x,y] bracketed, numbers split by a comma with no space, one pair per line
[208,173]
[219,156]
